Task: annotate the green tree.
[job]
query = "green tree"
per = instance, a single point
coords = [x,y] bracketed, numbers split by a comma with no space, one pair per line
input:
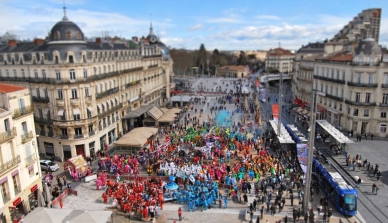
[215,61]
[202,58]
[242,59]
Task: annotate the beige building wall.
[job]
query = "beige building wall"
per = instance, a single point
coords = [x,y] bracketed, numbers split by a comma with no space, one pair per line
[20,173]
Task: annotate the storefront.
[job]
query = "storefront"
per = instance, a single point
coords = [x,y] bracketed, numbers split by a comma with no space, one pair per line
[33,197]
[17,210]
[102,142]
[92,152]
[67,152]
[49,148]
[112,136]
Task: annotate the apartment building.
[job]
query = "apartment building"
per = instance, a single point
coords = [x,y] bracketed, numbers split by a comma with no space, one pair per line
[20,174]
[354,88]
[81,88]
[279,59]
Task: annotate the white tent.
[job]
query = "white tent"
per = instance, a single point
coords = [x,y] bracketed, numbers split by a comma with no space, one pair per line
[335,133]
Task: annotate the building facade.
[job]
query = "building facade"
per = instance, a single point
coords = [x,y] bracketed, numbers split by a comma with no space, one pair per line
[365,24]
[233,71]
[279,59]
[302,77]
[82,88]
[20,175]
[354,88]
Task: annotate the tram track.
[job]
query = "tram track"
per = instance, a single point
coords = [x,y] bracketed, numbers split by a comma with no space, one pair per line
[365,204]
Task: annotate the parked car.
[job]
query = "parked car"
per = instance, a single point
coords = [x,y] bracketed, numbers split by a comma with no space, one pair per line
[48,165]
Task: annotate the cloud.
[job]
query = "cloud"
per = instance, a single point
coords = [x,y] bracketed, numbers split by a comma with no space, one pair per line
[195,27]
[223,20]
[267,17]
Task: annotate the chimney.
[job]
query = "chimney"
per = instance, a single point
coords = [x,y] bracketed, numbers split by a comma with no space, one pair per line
[38,42]
[12,43]
[98,40]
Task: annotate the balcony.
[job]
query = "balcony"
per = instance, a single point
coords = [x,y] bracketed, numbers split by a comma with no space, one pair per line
[153,66]
[27,137]
[100,128]
[6,198]
[30,79]
[64,137]
[8,135]
[17,113]
[107,112]
[92,133]
[96,77]
[133,83]
[60,102]
[152,56]
[304,67]
[132,70]
[384,85]
[43,120]
[78,136]
[304,79]
[74,101]
[30,159]
[10,164]
[365,104]
[383,105]
[108,92]
[42,133]
[334,97]
[40,100]
[355,84]
[88,99]
[338,81]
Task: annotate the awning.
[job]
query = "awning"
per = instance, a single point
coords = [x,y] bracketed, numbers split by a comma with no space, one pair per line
[155,112]
[60,112]
[334,132]
[297,101]
[90,109]
[46,110]
[99,106]
[321,108]
[138,112]
[332,111]
[76,111]
[303,104]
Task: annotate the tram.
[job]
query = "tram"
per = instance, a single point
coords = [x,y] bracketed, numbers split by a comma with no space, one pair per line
[342,195]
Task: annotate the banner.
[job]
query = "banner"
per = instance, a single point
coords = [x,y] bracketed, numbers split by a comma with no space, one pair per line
[263,94]
[302,150]
[275,112]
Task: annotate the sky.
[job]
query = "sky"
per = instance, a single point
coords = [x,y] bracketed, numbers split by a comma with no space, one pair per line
[221,24]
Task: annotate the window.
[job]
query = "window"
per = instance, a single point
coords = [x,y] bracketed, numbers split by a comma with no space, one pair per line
[385,81]
[342,93]
[15,74]
[23,74]
[343,75]
[340,108]
[348,110]
[370,79]
[383,114]
[89,113]
[358,96]
[85,73]
[326,89]
[37,92]
[366,112]
[7,73]
[24,128]
[322,71]
[79,35]
[96,89]
[58,75]
[4,192]
[60,94]
[331,90]
[355,112]
[383,128]
[87,91]
[332,74]
[90,128]
[31,171]
[45,93]
[1,73]
[44,74]
[321,87]
[78,131]
[56,35]
[72,75]
[68,35]
[36,74]
[40,113]
[7,127]
[358,78]
[74,93]
[16,184]
[338,74]
[64,131]
[385,99]
[367,97]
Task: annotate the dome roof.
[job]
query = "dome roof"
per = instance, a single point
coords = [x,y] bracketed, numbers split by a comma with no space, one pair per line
[66,30]
[368,46]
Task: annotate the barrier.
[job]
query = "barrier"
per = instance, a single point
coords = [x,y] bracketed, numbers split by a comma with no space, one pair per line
[89,178]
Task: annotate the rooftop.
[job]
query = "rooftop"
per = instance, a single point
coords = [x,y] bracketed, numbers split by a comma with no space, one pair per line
[240,67]
[279,52]
[8,88]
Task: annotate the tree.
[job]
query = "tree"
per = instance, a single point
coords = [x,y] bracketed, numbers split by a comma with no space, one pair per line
[202,58]
[215,61]
[242,59]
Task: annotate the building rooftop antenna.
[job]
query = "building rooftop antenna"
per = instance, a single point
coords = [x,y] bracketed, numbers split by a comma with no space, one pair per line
[64,11]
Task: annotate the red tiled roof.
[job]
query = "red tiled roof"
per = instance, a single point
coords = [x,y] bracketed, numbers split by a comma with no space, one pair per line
[339,57]
[7,88]
[240,67]
[279,52]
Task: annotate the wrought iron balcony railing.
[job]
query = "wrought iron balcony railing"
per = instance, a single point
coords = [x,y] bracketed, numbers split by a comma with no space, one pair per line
[10,164]
[17,113]
[8,135]
[26,137]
